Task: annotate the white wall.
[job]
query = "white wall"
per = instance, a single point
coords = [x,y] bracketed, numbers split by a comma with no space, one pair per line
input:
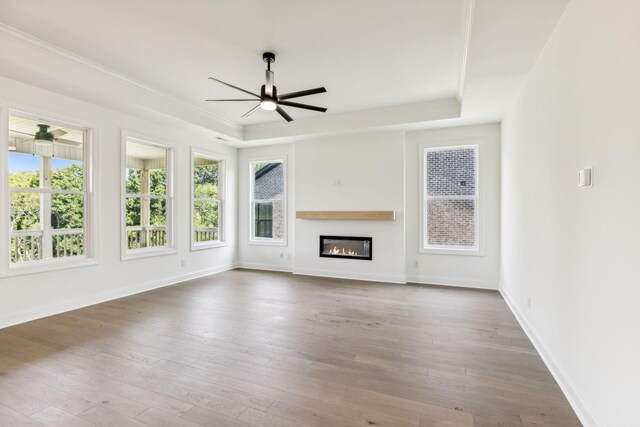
[277,257]
[36,295]
[370,169]
[575,251]
[480,270]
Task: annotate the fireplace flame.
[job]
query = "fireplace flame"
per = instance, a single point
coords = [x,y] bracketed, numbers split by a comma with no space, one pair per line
[342,251]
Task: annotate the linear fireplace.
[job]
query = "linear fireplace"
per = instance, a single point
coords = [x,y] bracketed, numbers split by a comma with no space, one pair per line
[346,247]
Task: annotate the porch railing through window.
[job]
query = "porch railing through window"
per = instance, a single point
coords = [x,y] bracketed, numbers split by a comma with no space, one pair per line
[205,234]
[27,245]
[146,236]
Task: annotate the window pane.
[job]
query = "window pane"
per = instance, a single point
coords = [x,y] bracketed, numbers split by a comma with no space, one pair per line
[205,178]
[24,170]
[37,147]
[158,182]
[451,222]
[133,211]
[67,211]
[268,181]
[149,163]
[451,172]
[133,181]
[269,220]
[205,221]
[67,174]
[158,212]
[146,221]
[25,211]
[26,236]
[263,220]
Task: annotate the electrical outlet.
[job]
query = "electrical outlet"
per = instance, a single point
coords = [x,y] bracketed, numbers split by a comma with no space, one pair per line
[529,301]
[415,264]
[183,263]
[281,254]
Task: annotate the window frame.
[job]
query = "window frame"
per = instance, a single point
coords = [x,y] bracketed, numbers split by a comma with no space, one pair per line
[268,241]
[89,229]
[170,247]
[424,247]
[222,181]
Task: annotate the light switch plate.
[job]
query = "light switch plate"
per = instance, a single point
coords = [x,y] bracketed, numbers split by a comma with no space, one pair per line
[585,177]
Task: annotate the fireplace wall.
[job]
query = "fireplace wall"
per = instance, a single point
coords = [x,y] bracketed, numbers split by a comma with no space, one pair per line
[354,172]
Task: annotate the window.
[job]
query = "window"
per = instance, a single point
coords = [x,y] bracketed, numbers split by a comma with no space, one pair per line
[207,201]
[450,195]
[268,211]
[148,198]
[49,192]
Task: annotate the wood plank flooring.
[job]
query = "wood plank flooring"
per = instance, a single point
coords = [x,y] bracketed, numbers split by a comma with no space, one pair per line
[247,348]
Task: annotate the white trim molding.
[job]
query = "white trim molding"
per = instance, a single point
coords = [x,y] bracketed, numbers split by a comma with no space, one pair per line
[170,223]
[50,310]
[453,282]
[561,377]
[222,195]
[89,192]
[386,278]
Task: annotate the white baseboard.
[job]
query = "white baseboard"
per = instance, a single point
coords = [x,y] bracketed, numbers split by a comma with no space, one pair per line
[266,267]
[49,310]
[352,276]
[567,387]
[452,281]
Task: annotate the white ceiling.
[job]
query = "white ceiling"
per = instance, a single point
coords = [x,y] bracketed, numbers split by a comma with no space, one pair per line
[368,54]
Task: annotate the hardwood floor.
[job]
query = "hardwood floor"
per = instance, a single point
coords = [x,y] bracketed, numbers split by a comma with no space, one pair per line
[246,348]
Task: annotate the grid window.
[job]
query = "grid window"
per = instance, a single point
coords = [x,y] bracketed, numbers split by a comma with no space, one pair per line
[450,198]
[207,206]
[268,201]
[147,204]
[49,196]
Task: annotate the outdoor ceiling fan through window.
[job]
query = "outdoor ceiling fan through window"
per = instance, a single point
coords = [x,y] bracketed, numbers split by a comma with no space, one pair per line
[269,99]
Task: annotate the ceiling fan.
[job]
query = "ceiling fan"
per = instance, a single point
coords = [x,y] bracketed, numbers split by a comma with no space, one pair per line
[269,99]
[43,136]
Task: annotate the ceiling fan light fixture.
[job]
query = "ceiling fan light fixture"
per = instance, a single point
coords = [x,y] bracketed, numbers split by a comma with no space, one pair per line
[43,137]
[43,142]
[269,100]
[268,104]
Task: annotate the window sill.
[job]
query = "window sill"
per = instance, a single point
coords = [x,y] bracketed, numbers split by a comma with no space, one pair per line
[212,245]
[35,267]
[450,251]
[267,242]
[147,253]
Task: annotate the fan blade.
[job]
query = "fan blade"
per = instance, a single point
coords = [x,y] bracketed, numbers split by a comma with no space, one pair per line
[248,113]
[234,87]
[305,106]
[230,100]
[22,133]
[67,142]
[58,133]
[302,93]
[269,86]
[283,114]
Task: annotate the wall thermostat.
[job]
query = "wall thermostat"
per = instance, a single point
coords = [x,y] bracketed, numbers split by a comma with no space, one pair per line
[585,177]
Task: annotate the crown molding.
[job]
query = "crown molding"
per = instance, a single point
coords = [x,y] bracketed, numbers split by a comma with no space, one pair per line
[32,42]
[157,101]
[468,14]
[440,109]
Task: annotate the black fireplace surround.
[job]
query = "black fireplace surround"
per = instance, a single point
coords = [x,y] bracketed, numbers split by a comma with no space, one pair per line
[346,247]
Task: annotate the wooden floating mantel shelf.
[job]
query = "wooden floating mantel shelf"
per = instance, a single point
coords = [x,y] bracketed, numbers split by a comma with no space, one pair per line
[348,215]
